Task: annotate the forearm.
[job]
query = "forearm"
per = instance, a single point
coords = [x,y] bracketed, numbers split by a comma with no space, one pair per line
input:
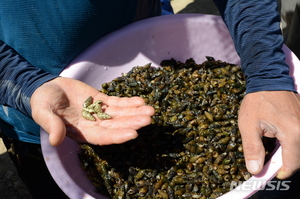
[255,29]
[18,79]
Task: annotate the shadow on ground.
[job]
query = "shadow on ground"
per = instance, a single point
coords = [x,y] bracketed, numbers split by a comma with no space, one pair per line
[11,186]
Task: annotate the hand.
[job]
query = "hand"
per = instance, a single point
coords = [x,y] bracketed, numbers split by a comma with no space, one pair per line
[57,105]
[271,114]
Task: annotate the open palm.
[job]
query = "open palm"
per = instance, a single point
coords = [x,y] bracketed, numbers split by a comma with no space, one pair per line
[57,105]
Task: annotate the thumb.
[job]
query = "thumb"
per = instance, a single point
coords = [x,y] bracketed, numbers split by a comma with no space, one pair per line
[253,148]
[57,131]
[254,153]
[53,125]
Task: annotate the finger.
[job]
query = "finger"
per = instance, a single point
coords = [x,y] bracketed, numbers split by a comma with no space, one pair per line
[115,111]
[127,122]
[105,136]
[125,101]
[290,157]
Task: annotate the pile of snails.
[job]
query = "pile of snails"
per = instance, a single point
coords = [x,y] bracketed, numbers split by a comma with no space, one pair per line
[192,149]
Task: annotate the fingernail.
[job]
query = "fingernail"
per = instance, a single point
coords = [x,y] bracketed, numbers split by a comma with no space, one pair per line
[253,166]
[131,136]
[281,175]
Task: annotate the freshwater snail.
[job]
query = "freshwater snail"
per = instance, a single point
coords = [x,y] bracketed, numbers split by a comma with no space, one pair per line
[89,108]
[193,147]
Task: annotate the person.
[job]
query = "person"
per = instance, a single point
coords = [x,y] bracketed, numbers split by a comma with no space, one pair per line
[167,8]
[271,106]
[264,110]
[40,38]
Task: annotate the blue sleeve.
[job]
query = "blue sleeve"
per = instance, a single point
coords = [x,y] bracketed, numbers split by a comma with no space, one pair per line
[255,29]
[18,79]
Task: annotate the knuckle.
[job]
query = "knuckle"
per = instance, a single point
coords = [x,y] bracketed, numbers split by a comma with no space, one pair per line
[252,151]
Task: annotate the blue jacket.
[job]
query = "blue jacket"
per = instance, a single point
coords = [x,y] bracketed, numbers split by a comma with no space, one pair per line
[48,35]
[39,38]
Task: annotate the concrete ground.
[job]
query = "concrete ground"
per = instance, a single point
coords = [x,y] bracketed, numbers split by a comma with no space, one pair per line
[194,6]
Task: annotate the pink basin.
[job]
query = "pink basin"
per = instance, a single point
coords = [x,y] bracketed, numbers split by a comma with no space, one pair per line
[181,36]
